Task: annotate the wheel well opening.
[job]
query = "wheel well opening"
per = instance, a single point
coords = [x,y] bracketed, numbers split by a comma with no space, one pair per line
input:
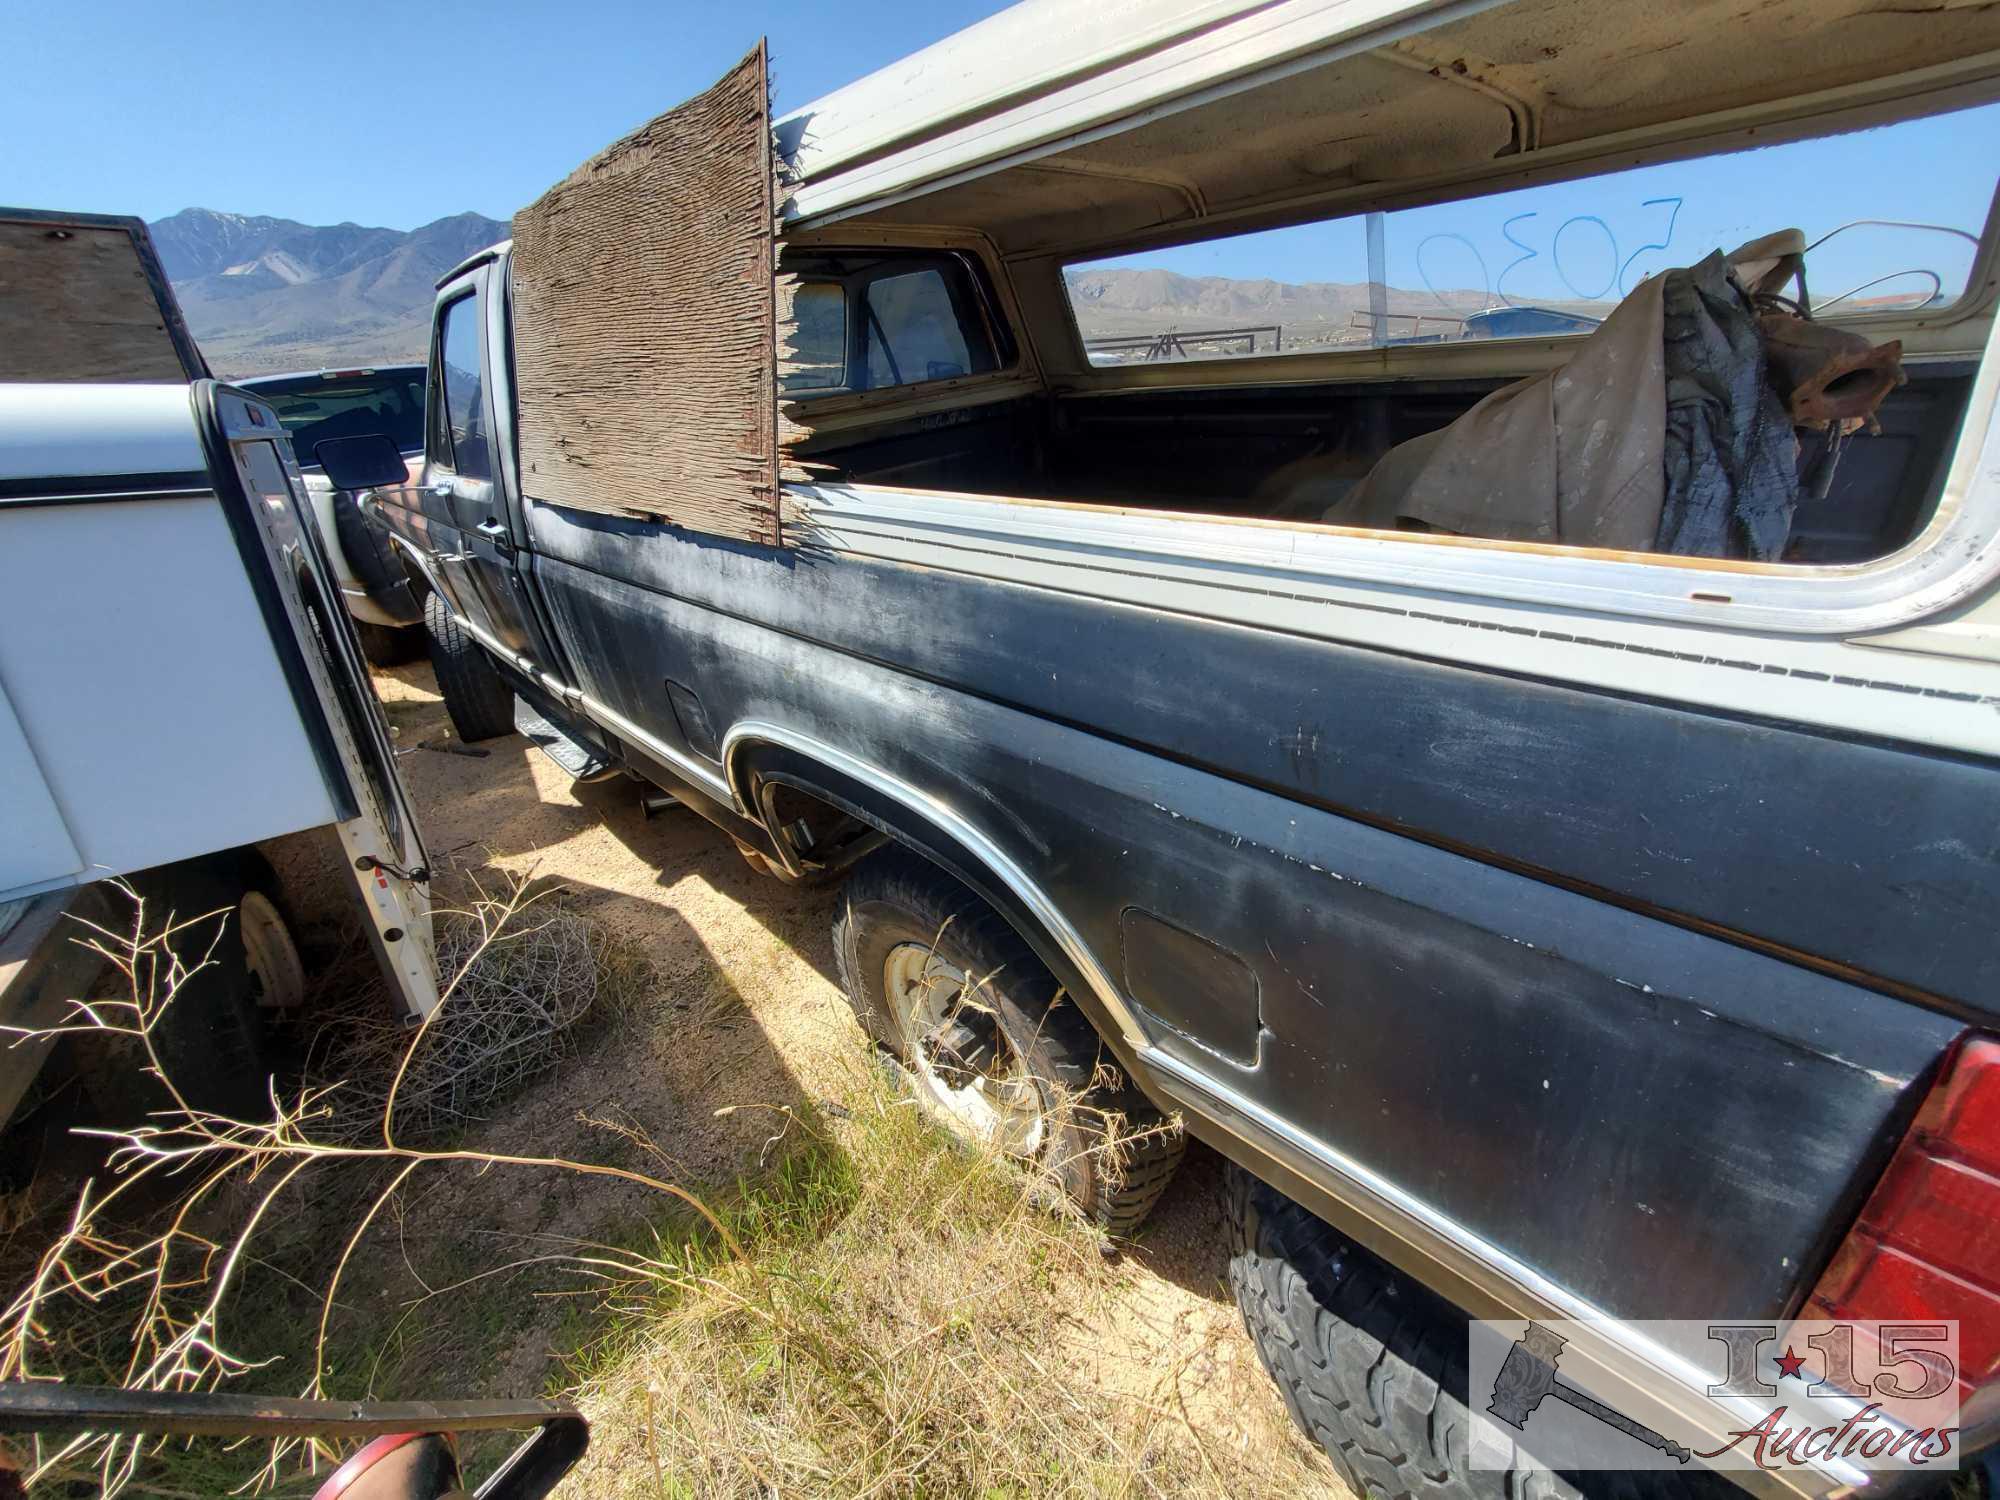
[813,835]
[862,810]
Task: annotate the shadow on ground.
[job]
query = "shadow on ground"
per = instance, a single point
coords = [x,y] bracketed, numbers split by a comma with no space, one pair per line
[514,809]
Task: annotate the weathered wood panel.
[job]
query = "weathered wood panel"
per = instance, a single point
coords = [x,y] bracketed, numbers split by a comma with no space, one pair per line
[83,299]
[644,342]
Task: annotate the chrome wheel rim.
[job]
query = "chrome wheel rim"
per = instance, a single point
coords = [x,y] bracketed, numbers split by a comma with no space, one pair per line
[994,1101]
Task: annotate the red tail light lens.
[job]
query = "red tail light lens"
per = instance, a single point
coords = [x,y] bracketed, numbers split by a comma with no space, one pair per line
[1927,1246]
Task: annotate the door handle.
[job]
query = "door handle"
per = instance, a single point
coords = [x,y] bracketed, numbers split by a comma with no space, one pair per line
[438,491]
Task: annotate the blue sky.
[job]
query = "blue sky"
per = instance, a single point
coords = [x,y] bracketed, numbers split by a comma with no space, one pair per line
[390,113]
[1600,236]
[397,112]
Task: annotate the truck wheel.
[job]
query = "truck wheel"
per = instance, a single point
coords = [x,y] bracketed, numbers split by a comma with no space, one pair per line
[1372,1366]
[1012,1065]
[213,1040]
[388,645]
[480,703]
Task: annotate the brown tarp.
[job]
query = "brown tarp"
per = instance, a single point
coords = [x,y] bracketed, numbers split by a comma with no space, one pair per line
[1572,457]
[644,349]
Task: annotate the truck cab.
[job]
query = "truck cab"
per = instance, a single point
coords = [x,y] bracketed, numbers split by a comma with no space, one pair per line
[316,406]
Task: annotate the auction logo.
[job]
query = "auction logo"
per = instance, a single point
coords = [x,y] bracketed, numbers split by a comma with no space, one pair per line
[1808,1394]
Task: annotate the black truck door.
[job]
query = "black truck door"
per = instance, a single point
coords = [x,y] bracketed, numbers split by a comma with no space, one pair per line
[473,550]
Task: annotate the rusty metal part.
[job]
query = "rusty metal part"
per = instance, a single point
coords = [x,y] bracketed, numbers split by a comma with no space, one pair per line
[1827,374]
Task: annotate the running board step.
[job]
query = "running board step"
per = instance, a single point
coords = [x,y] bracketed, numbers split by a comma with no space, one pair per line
[582,762]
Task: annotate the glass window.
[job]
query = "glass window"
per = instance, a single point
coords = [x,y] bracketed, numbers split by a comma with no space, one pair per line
[1892,216]
[863,322]
[313,408]
[912,332]
[463,395]
[816,350]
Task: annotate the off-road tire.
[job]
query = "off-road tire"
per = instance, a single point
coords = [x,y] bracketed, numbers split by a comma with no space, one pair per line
[388,645]
[1372,1366]
[895,897]
[214,1039]
[478,699]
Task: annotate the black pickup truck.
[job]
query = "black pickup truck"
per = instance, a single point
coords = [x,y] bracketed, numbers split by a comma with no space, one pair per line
[1585,907]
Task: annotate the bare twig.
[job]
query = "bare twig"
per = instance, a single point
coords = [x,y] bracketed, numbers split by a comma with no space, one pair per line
[545,973]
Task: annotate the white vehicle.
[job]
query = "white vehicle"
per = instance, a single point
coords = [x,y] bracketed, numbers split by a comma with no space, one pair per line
[182,704]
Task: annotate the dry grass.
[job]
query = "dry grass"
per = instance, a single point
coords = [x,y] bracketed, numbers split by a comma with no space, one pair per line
[905,1322]
[877,1311]
[157,1247]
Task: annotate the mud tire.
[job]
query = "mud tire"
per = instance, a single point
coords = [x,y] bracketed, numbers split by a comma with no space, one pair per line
[895,897]
[478,699]
[1372,1366]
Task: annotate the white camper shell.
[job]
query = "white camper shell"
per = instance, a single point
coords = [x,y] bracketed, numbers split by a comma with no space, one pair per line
[178,679]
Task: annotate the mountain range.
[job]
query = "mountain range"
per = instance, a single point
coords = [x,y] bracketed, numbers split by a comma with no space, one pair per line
[1127,302]
[263,295]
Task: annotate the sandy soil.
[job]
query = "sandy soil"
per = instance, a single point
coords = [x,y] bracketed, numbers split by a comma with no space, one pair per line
[743,1010]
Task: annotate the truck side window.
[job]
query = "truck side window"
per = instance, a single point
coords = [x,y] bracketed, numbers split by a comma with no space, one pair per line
[464,397]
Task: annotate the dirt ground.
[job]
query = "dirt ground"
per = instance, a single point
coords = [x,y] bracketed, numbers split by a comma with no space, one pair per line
[743,1010]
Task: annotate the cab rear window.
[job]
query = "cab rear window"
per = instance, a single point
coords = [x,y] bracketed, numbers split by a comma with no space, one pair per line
[872,322]
[313,408]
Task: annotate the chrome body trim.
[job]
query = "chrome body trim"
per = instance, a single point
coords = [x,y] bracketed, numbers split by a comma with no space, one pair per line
[1635,1373]
[1641,1375]
[625,729]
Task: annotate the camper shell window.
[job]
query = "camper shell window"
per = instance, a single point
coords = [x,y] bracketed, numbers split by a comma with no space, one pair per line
[1892,219]
[1724,454]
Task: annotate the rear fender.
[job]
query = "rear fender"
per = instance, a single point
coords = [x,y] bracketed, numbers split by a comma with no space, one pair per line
[755,753]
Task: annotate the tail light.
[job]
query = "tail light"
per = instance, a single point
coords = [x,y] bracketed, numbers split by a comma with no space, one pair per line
[1927,1245]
